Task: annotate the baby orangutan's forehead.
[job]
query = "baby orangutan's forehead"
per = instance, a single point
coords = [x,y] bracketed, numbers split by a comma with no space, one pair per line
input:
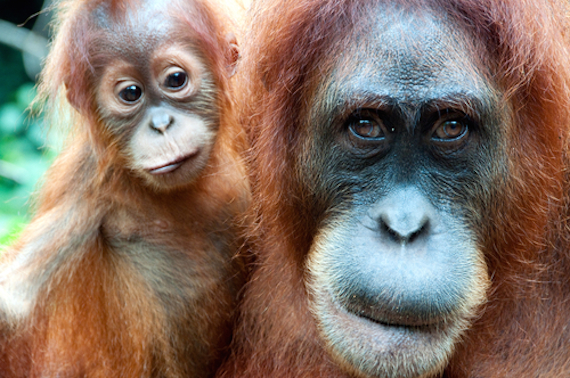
[136,18]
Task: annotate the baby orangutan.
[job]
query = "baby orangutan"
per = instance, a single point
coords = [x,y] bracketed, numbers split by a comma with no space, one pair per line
[128,268]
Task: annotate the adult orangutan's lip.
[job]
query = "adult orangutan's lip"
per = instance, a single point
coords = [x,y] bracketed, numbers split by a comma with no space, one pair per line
[171,166]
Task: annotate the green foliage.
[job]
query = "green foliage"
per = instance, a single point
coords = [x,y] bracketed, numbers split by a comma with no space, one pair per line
[25,154]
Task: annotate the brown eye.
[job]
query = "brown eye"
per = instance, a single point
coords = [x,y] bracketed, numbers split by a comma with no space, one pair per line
[176,80]
[450,130]
[367,129]
[130,94]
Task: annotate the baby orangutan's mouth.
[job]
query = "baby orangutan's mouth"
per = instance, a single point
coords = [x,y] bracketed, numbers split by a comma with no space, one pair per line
[171,166]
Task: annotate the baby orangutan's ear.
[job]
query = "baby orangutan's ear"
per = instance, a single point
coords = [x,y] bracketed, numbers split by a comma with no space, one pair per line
[233,54]
[71,95]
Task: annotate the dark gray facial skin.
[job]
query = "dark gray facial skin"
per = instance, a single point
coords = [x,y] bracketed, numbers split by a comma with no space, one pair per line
[396,270]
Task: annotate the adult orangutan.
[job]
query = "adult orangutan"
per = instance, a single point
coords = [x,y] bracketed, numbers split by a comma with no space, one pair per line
[128,269]
[410,190]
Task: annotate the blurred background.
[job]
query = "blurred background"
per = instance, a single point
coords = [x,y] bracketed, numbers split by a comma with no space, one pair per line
[26,148]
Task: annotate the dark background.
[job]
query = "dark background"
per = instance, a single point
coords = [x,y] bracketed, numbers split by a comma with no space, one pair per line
[12,73]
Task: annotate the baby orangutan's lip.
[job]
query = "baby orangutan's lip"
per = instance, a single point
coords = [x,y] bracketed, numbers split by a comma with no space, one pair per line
[171,166]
